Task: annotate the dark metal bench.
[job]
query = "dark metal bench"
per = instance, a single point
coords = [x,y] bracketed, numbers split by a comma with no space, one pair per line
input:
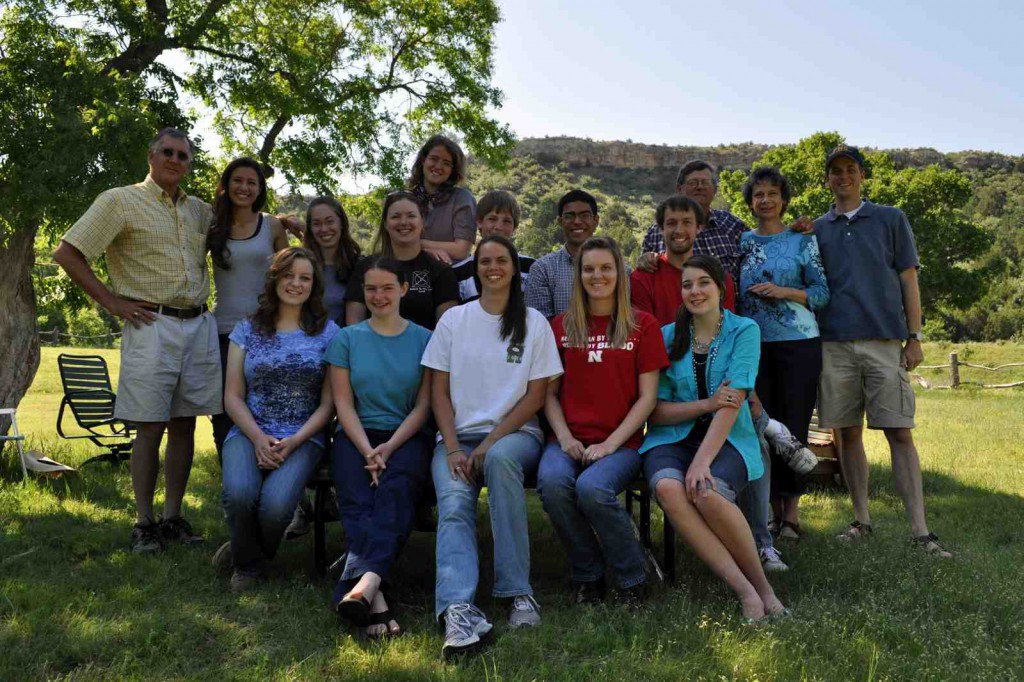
[638,497]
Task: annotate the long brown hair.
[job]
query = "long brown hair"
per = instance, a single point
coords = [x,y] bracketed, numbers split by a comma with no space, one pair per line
[348,250]
[681,333]
[223,210]
[382,240]
[576,317]
[313,316]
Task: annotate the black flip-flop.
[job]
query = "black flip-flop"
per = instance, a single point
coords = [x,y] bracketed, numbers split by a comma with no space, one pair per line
[384,618]
[355,609]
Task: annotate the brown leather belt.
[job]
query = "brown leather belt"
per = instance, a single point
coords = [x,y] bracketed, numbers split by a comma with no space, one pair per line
[182,313]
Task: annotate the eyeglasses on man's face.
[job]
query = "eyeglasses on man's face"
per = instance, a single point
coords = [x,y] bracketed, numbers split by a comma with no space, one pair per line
[170,153]
[573,216]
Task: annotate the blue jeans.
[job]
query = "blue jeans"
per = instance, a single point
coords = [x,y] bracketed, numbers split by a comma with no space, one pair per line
[582,502]
[754,499]
[259,503]
[377,520]
[458,566]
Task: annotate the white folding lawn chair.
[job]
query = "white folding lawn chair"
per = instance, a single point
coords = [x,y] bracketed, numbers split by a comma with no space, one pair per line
[13,435]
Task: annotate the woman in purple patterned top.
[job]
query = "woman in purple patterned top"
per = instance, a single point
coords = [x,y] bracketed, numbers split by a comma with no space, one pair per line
[279,398]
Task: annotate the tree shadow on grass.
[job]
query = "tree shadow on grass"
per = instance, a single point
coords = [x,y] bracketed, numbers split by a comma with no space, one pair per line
[81,605]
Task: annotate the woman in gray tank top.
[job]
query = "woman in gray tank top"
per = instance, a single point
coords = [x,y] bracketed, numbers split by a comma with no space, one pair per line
[329,238]
[242,241]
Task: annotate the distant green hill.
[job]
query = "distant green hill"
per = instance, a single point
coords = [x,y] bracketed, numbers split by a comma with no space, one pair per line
[630,178]
[635,169]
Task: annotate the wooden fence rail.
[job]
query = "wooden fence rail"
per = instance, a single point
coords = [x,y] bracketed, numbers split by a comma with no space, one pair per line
[954,374]
[55,337]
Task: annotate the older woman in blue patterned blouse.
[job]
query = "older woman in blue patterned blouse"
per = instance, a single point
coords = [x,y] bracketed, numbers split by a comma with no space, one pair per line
[782,283]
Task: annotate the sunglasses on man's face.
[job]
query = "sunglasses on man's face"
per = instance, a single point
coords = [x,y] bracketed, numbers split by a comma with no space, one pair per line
[169,154]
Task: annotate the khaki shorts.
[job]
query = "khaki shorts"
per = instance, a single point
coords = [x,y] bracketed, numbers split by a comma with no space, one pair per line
[859,376]
[170,368]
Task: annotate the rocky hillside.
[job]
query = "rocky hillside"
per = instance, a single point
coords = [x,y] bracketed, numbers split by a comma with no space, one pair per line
[578,153]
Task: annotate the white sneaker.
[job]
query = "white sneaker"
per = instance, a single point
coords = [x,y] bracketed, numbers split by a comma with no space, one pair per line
[771,560]
[524,612]
[797,457]
[464,627]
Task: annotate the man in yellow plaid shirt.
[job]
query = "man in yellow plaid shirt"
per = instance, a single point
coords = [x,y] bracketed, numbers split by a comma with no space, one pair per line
[154,238]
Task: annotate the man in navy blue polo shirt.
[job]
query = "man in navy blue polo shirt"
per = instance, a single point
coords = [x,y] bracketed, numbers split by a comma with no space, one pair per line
[871,333]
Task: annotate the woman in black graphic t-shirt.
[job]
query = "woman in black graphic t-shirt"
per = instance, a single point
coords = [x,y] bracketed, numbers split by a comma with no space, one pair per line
[432,285]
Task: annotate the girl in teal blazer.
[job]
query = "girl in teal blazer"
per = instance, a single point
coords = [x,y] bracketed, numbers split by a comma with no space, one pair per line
[700,449]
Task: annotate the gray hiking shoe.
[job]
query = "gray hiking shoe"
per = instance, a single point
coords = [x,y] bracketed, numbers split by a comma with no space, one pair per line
[177,529]
[796,456]
[771,560]
[524,612]
[146,538]
[464,628]
[299,525]
[244,579]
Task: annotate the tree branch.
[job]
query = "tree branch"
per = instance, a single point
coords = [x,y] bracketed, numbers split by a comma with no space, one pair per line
[270,140]
[158,11]
[143,51]
[193,32]
[251,61]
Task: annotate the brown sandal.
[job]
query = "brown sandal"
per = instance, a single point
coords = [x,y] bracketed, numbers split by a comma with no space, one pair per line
[856,531]
[930,544]
[789,531]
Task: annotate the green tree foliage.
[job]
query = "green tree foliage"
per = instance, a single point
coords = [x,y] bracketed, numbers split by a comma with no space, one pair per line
[312,88]
[998,205]
[948,240]
[538,188]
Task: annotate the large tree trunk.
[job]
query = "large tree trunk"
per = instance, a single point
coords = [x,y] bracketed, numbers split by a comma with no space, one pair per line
[19,340]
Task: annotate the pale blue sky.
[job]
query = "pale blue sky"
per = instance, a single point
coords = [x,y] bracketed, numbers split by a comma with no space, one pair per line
[948,75]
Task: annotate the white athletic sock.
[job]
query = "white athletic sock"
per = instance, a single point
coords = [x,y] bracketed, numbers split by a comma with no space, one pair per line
[774,428]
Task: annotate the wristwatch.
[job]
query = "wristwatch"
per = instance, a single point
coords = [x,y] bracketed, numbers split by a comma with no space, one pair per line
[915,336]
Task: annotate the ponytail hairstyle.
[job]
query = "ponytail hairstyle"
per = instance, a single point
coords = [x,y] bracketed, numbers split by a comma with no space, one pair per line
[513,320]
[681,333]
[313,316]
[576,320]
[223,210]
[348,249]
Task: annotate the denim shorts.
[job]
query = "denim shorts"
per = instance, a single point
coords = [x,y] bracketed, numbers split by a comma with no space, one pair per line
[672,461]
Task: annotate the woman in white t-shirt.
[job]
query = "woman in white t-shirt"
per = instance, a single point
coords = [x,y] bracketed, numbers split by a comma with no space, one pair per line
[492,360]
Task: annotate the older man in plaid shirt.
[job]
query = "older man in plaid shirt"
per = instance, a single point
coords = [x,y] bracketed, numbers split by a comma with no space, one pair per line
[154,239]
[719,237]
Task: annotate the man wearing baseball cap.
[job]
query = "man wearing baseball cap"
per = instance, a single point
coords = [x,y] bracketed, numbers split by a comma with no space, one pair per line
[871,333]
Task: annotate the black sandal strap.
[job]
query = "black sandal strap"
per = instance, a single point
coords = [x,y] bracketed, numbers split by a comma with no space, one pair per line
[795,527]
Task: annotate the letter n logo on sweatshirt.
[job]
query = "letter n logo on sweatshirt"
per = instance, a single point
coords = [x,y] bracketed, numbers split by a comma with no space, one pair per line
[594,355]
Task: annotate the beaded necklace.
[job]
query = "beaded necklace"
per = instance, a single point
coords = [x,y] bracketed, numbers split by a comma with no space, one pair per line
[711,349]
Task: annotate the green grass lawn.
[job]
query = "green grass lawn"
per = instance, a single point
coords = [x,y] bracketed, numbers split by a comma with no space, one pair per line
[76,604]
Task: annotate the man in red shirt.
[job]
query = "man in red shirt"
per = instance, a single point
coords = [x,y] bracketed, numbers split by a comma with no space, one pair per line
[660,292]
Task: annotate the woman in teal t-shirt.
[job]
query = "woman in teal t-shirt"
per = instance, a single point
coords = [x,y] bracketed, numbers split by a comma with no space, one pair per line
[700,450]
[381,454]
